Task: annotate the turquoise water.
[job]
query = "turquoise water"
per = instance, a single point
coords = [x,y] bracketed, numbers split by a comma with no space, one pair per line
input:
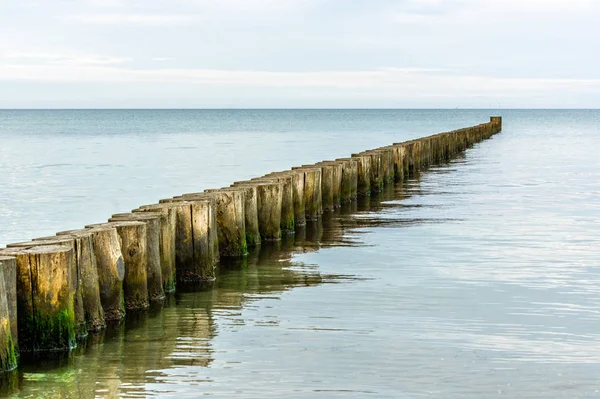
[480,278]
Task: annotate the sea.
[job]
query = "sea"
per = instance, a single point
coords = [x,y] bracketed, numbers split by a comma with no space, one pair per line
[477,278]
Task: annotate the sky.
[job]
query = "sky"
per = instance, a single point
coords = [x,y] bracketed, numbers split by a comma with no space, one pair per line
[300,54]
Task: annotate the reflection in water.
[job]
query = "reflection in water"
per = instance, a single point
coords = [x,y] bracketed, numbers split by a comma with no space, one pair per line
[126,358]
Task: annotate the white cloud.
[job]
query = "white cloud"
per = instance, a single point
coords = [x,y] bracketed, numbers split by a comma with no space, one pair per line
[505,48]
[60,59]
[131,19]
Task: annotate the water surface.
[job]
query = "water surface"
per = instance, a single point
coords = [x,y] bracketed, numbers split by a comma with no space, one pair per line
[480,278]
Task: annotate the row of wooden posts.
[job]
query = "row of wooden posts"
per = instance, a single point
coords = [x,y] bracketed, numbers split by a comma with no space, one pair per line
[54,290]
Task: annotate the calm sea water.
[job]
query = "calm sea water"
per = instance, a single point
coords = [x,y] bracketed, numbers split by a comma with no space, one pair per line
[480,278]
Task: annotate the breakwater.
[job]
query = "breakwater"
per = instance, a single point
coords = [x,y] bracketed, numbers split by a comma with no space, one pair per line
[74,283]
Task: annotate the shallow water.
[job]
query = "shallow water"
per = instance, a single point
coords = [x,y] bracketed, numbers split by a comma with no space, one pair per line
[480,278]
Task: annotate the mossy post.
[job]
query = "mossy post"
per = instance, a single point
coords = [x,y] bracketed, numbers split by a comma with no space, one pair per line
[80,322]
[231,226]
[313,198]
[336,171]
[45,297]
[250,212]
[326,186]
[363,188]
[287,199]
[88,273]
[349,179]
[269,202]
[8,351]
[292,203]
[184,241]
[111,271]
[9,267]
[133,240]
[196,238]
[398,160]
[153,265]
[168,226]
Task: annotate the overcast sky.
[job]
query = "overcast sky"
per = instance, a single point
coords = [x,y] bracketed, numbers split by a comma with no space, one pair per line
[299,53]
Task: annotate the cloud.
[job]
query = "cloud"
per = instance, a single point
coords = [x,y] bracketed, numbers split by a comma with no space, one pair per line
[33,58]
[131,19]
[416,82]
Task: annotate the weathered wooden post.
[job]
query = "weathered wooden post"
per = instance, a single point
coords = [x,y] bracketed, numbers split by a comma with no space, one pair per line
[153,265]
[298,195]
[287,199]
[111,271]
[250,212]
[45,297]
[88,275]
[363,174]
[8,264]
[497,122]
[196,237]
[326,186]
[8,351]
[231,225]
[313,198]
[337,168]
[168,226]
[80,322]
[269,203]
[398,154]
[349,179]
[133,240]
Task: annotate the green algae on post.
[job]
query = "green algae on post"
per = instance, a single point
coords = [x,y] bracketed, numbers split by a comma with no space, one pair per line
[8,354]
[88,274]
[80,323]
[45,298]
[8,264]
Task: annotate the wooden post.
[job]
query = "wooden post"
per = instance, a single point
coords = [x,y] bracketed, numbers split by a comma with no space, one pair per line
[197,244]
[269,203]
[8,350]
[9,266]
[133,240]
[313,197]
[111,271]
[363,174]
[250,212]
[80,322]
[168,226]
[230,218]
[326,186]
[287,199]
[45,297]
[88,274]
[336,168]
[153,265]
[349,179]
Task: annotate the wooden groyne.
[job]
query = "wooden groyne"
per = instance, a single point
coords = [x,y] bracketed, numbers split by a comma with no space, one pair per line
[56,290]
